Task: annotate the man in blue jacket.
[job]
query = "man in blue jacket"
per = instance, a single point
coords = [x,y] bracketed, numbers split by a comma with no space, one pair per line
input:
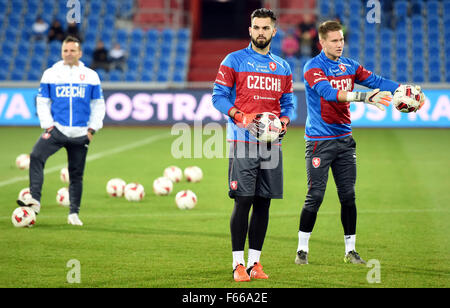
[71,109]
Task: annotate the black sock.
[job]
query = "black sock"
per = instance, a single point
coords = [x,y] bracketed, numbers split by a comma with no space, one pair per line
[259,222]
[239,222]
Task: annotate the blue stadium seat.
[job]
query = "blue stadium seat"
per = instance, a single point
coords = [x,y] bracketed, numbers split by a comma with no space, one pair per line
[17,75]
[163,76]
[115,75]
[3,74]
[417,23]
[434,74]
[152,36]
[7,49]
[137,35]
[131,76]
[401,8]
[133,64]
[324,8]
[339,8]
[121,37]
[432,8]
[147,75]
[183,35]
[386,68]
[355,6]
[33,75]
[167,35]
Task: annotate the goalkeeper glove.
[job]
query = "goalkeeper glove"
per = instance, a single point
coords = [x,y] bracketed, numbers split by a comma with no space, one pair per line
[250,121]
[376,97]
[284,123]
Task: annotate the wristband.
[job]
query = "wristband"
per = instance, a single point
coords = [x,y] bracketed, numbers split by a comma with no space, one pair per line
[91,130]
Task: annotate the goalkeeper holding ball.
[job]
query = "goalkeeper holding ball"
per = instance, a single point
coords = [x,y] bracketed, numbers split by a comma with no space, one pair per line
[251,81]
[329,82]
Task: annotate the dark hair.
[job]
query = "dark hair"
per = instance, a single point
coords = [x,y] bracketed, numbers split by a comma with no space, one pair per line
[72,39]
[263,13]
[329,26]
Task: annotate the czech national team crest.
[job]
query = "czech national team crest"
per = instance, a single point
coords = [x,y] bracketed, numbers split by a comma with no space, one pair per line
[316,162]
[233,185]
[82,76]
[342,67]
[273,66]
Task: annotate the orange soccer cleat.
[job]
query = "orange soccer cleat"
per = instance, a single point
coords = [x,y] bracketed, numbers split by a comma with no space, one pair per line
[240,273]
[256,271]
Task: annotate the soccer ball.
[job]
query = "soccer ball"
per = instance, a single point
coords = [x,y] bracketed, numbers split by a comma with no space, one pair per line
[408,98]
[23,161]
[193,174]
[162,186]
[134,192]
[24,194]
[116,187]
[62,197]
[272,127]
[185,200]
[23,217]
[64,175]
[173,173]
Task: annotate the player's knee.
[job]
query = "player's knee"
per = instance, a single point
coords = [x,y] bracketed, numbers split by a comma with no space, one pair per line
[347,198]
[313,200]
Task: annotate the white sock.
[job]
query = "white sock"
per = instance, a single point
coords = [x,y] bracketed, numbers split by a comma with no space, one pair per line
[303,240]
[238,258]
[350,241]
[253,256]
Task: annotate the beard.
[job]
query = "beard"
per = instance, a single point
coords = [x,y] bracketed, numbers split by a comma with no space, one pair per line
[261,45]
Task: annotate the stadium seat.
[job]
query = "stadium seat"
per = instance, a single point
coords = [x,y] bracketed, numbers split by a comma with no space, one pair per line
[401,8]
[432,8]
[324,8]
[115,75]
[131,76]
[340,8]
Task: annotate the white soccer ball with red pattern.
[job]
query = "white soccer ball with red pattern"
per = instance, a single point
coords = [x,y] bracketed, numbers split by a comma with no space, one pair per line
[134,192]
[193,174]
[162,186]
[64,175]
[23,161]
[24,194]
[173,173]
[186,199]
[408,98]
[116,187]
[62,197]
[271,128]
[23,217]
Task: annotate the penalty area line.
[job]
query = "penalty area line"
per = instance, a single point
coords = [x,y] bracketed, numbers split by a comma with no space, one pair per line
[92,157]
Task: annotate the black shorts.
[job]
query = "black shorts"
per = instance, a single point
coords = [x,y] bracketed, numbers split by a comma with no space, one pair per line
[340,155]
[255,170]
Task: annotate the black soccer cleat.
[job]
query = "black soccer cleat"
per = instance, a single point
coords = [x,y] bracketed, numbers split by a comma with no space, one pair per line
[354,258]
[301,257]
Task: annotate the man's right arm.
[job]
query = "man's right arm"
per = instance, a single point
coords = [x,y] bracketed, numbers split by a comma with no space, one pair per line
[43,102]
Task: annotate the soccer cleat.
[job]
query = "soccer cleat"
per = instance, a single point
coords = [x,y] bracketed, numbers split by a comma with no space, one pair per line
[30,202]
[354,258]
[301,257]
[240,273]
[73,219]
[256,271]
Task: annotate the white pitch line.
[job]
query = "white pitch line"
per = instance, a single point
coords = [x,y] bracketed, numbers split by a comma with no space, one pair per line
[96,156]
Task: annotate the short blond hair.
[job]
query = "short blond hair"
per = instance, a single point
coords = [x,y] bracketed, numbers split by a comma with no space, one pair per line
[329,26]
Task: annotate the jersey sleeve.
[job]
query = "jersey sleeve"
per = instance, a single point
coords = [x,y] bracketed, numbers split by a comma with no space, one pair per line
[368,79]
[286,100]
[222,97]
[318,81]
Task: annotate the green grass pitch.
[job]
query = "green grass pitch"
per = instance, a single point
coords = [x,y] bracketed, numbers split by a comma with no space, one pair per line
[403,201]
